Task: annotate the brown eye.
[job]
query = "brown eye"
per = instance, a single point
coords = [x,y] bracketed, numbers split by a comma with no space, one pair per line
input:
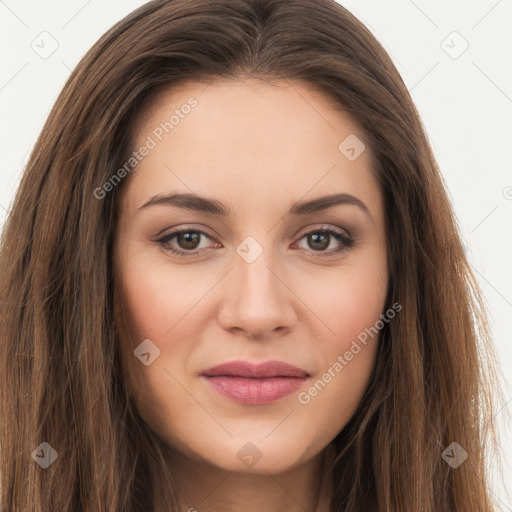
[188,240]
[319,240]
[186,244]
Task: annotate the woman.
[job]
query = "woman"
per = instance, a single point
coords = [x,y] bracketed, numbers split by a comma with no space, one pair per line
[232,280]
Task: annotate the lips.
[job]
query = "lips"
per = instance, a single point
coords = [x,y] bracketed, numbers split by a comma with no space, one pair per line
[251,371]
[252,384]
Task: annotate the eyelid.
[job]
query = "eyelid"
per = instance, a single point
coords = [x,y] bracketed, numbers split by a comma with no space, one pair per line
[307,230]
[325,227]
[182,227]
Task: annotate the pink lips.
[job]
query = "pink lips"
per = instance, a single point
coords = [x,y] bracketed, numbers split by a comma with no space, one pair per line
[255,384]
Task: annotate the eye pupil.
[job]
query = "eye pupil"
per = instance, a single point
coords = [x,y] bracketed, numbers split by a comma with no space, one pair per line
[188,237]
[315,237]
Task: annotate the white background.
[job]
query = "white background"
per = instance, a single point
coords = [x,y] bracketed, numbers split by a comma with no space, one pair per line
[465,103]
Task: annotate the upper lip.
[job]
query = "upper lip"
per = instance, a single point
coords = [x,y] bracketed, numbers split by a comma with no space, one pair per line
[246,369]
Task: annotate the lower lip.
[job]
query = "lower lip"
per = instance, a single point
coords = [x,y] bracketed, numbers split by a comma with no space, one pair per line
[255,391]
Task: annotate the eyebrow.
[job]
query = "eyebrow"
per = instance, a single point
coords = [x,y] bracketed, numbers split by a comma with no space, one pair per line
[202,204]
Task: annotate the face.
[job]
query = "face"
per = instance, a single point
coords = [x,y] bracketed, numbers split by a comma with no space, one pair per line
[265,273]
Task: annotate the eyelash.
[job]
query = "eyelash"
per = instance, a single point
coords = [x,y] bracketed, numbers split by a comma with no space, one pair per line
[347,242]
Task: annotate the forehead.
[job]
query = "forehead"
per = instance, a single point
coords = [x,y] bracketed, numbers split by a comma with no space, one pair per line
[250,137]
[244,107]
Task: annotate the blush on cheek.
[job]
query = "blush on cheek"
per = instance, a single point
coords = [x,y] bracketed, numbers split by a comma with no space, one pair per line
[161,298]
[351,313]
[151,308]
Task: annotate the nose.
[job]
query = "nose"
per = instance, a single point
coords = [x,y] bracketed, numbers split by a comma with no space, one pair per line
[256,298]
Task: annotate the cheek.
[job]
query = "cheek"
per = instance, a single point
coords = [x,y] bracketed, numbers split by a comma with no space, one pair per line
[159,306]
[347,357]
[162,304]
[350,305]
[158,300]
[349,300]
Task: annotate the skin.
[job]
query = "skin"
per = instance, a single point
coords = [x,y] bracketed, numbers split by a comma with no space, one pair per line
[258,148]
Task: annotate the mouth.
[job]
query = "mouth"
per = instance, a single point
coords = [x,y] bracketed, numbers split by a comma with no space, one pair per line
[251,384]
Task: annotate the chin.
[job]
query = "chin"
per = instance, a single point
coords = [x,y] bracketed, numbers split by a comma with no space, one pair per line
[256,456]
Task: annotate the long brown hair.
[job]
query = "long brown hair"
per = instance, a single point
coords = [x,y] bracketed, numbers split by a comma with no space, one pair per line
[60,364]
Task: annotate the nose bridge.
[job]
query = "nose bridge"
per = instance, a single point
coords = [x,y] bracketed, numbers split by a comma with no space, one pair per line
[257,299]
[253,266]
